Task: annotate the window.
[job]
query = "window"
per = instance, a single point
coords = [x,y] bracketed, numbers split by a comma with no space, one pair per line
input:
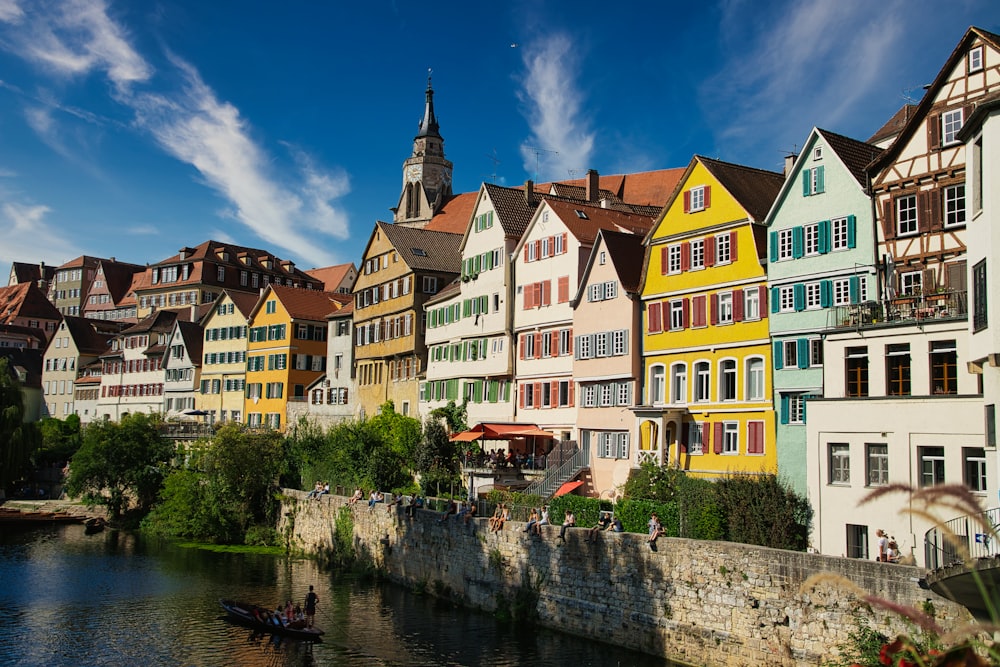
[813,296]
[897,369]
[723,248]
[790,353]
[678,383]
[944,366]
[697,196]
[974,465]
[702,381]
[674,259]
[698,254]
[979,296]
[725,307]
[785,244]
[951,123]
[811,236]
[812,181]
[727,380]
[676,315]
[857,541]
[877,464]
[975,59]
[755,379]
[695,440]
[786,299]
[954,205]
[731,438]
[856,363]
[815,351]
[931,465]
[796,411]
[657,386]
[271,306]
[751,303]
[839,232]
[840,464]
[906,215]
[430,285]
[911,282]
[619,342]
[221,273]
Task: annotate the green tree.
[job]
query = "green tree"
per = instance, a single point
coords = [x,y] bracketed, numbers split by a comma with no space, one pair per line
[401,434]
[455,416]
[60,440]
[761,510]
[18,440]
[121,464]
[436,459]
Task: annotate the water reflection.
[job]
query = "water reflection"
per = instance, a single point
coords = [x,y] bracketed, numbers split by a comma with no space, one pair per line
[116,598]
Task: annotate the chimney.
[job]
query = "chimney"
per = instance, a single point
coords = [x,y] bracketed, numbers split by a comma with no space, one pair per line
[789,163]
[43,284]
[529,190]
[593,185]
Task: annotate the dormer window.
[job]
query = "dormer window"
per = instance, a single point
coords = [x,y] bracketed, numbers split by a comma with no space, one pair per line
[581,214]
[975,59]
[419,252]
[818,153]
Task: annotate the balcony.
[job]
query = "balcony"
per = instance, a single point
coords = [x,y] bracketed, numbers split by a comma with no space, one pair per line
[906,309]
[963,559]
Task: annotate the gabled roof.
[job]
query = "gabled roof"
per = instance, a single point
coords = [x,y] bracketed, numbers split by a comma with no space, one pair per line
[626,253]
[91,336]
[754,189]
[894,125]
[193,336]
[31,273]
[445,293]
[244,301]
[453,217]
[645,188]
[82,260]
[347,310]
[585,222]
[161,320]
[119,277]
[210,249]
[25,300]
[304,304]
[331,276]
[514,208]
[916,120]
[424,249]
[856,155]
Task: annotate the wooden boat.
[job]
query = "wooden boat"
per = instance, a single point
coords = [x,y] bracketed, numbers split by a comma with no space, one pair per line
[256,618]
[94,525]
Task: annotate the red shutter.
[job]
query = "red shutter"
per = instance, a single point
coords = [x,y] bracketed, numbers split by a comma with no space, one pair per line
[708,196]
[538,345]
[713,314]
[570,341]
[563,289]
[718,438]
[935,221]
[923,211]
[686,312]
[686,256]
[663,261]
[520,396]
[763,301]
[709,251]
[554,394]
[698,311]
[538,248]
[537,297]
[571,391]
[732,246]
[738,305]
[538,395]
[757,437]
[687,201]
[526,255]
[888,219]
[655,317]
[520,345]
[546,292]
[934,131]
[565,248]
[527,297]
[554,344]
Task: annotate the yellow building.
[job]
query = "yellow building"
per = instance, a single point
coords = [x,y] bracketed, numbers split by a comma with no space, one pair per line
[286,350]
[224,355]
[707,404]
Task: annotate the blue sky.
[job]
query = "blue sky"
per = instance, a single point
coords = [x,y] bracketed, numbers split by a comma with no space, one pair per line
[131,129]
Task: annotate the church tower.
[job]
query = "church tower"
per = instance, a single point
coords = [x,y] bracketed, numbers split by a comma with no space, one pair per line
[426,173]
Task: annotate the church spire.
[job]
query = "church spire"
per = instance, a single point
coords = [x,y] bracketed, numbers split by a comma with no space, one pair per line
[428,124]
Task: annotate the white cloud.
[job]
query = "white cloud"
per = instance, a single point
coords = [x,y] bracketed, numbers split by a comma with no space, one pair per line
[142,230]
[553,111]
[284,207]
[10,12]
[26,237]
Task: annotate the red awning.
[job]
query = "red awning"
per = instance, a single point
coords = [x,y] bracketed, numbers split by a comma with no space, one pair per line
[536,432]
[466,436]
[567,487]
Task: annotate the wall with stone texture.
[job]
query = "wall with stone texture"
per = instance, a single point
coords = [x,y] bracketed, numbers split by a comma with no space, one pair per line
[696,602]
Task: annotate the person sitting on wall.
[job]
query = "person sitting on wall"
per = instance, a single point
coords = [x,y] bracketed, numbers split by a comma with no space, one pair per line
[317,489]
[616,525]
[471,514]
[532,520]
[602,524]
[353,500]
[544,521]
[568,522]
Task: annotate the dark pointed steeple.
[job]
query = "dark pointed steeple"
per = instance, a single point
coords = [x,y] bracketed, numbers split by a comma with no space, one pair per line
[429,124]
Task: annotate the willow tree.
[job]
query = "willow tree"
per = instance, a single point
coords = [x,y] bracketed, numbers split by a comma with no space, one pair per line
[18,440]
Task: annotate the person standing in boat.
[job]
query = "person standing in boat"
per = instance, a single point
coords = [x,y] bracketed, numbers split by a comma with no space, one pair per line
[311,601]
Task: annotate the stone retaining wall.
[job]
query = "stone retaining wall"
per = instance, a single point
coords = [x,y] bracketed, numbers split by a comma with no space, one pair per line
[696,602]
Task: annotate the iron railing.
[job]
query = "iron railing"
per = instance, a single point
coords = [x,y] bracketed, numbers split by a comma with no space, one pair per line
[906,309]
[963,537]
[555,477]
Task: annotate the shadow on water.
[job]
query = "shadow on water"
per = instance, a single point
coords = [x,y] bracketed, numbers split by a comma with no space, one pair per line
[119,598]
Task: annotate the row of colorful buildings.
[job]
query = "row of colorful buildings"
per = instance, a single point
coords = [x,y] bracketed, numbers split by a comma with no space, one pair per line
[829,323]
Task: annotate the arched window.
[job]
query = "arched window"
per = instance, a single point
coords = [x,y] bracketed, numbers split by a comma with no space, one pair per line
[678,383]
[755,379]
[727,380]
[702,382]
[657,385]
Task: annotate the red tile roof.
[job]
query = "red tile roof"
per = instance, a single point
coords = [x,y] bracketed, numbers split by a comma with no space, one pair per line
[585,229]
[454,216]
[331,276]
[25,300]
[312,305]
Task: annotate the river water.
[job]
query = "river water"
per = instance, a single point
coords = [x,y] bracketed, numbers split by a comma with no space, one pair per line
[118,598]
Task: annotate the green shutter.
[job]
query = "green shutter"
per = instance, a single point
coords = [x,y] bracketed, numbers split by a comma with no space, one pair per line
[852,233]
[824,236]
[775,299]
[806,183]
[803,352]
[799,296]
[820,178]
[778,354]
[825,293]
[774,246]
[853,288]
[784,408]
[798,242]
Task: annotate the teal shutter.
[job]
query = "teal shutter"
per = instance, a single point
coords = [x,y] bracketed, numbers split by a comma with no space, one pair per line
[799,296]
[774,246]
[806,183]
[853,288]
[852,232]
[820,179]
[784,408]
[802,355]
[824,236]
[798,242]
[825,293]
[779,356]
[775,299]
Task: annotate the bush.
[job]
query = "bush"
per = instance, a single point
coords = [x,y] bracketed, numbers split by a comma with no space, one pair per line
[262,536]
[785,524]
